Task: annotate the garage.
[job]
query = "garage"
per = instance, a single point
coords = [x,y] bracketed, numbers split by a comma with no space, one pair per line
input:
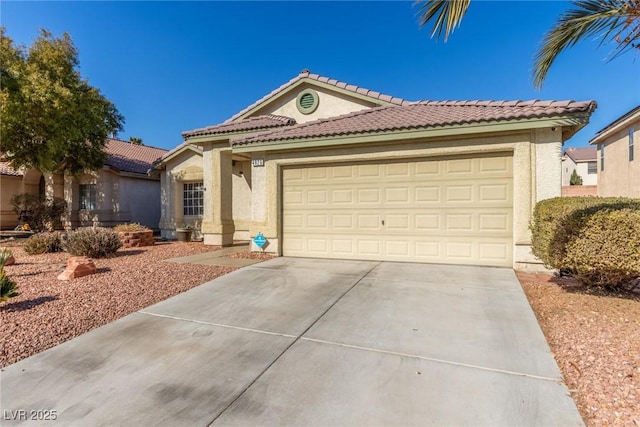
[454,210]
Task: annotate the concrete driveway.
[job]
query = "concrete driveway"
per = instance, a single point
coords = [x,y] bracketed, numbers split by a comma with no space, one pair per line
[308,342]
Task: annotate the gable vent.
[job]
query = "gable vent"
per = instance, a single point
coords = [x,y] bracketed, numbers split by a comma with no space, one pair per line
[307,101]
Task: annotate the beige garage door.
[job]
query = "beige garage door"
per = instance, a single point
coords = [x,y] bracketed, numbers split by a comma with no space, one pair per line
[445,210]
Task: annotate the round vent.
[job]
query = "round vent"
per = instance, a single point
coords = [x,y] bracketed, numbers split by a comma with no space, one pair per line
[307,101]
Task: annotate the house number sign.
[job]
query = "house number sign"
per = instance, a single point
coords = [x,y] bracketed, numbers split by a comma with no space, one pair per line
[256,163]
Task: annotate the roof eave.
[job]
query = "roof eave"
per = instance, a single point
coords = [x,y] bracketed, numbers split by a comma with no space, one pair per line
[573,121]
[616,126]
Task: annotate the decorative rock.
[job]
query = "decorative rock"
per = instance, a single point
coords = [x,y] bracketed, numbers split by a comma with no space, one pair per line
[10,261]
[77,266]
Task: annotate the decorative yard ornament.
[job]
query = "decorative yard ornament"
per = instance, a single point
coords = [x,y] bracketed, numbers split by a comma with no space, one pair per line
[260,240]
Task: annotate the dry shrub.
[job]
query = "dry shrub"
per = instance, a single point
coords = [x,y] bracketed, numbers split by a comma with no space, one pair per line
[94,242]
[134,226]
[43,243]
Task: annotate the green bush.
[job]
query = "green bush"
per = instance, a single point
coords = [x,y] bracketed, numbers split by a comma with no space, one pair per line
[41,214]
[556,221]
[43,243]
[7,288]
[606,251]
[134,226]
[94,242]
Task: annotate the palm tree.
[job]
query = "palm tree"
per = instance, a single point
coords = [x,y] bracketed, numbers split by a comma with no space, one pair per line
[614,20]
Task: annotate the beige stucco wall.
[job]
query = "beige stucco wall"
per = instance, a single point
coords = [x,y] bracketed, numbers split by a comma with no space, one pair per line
[9,185]
[330,104]
[537,174]
[185,167]
[620,176]
[241,209]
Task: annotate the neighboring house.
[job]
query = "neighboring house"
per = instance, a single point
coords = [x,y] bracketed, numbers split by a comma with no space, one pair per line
[327,169]
[618,156]
[583,161]
[120,192]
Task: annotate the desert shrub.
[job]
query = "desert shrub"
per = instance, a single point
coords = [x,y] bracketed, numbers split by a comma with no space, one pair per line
[556,221]
[134,226]
[7,288]
[606,251]
[43,243]
[94,242]
[5,255]
[41,214]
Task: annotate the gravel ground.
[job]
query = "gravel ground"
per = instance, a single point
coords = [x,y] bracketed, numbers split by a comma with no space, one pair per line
[595,338]
[49,311]
[594,335]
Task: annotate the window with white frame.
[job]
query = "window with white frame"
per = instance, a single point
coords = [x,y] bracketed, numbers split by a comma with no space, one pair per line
[192,198]
[88,196]
[592,168]
[631,144]
[602,157]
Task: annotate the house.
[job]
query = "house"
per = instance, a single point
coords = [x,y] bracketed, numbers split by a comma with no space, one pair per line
[322,168]
[120,192]
[583,162]
[618,162]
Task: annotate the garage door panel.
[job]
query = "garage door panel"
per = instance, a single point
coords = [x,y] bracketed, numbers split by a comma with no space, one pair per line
[456,210]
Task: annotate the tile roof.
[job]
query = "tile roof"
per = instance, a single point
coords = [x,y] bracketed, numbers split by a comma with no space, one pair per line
[6,169]
[133,158]
[584,154]
[306,74]
[250,124]
[423,114]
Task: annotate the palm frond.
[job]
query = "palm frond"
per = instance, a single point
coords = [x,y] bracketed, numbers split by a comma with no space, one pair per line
[445,14]
[613,20]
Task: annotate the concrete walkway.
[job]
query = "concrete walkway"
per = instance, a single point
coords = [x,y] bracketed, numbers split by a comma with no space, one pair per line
[302,342]
[217,257]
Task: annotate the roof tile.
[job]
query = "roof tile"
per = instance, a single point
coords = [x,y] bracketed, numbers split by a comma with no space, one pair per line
[249,124]
[421,115]
[132,158]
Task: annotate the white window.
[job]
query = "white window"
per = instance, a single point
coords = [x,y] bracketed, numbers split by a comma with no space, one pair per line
[592,168]
[631,144]
[193,199]
[602,157]
[88,196]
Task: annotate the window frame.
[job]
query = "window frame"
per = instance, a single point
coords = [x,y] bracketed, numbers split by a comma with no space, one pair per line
[592,167]
[193,198]
[88,197]
[631,143]
[602,158]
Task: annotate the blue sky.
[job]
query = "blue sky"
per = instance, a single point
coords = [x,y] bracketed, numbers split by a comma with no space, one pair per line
[175,66]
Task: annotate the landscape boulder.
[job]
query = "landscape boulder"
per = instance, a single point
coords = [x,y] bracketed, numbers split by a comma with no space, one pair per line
[77,266]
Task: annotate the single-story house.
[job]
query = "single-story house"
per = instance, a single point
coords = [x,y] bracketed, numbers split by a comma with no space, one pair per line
[122,191]
[583,162]
[323,168]
[618,160]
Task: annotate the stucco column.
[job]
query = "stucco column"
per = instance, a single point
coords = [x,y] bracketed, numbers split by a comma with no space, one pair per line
[54,185]
[71,188]
[548,158]
[217,221]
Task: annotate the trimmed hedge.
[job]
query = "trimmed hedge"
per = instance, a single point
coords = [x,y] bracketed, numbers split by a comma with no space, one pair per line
[94,242]
[566,229]
[555,221]
[606,252]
